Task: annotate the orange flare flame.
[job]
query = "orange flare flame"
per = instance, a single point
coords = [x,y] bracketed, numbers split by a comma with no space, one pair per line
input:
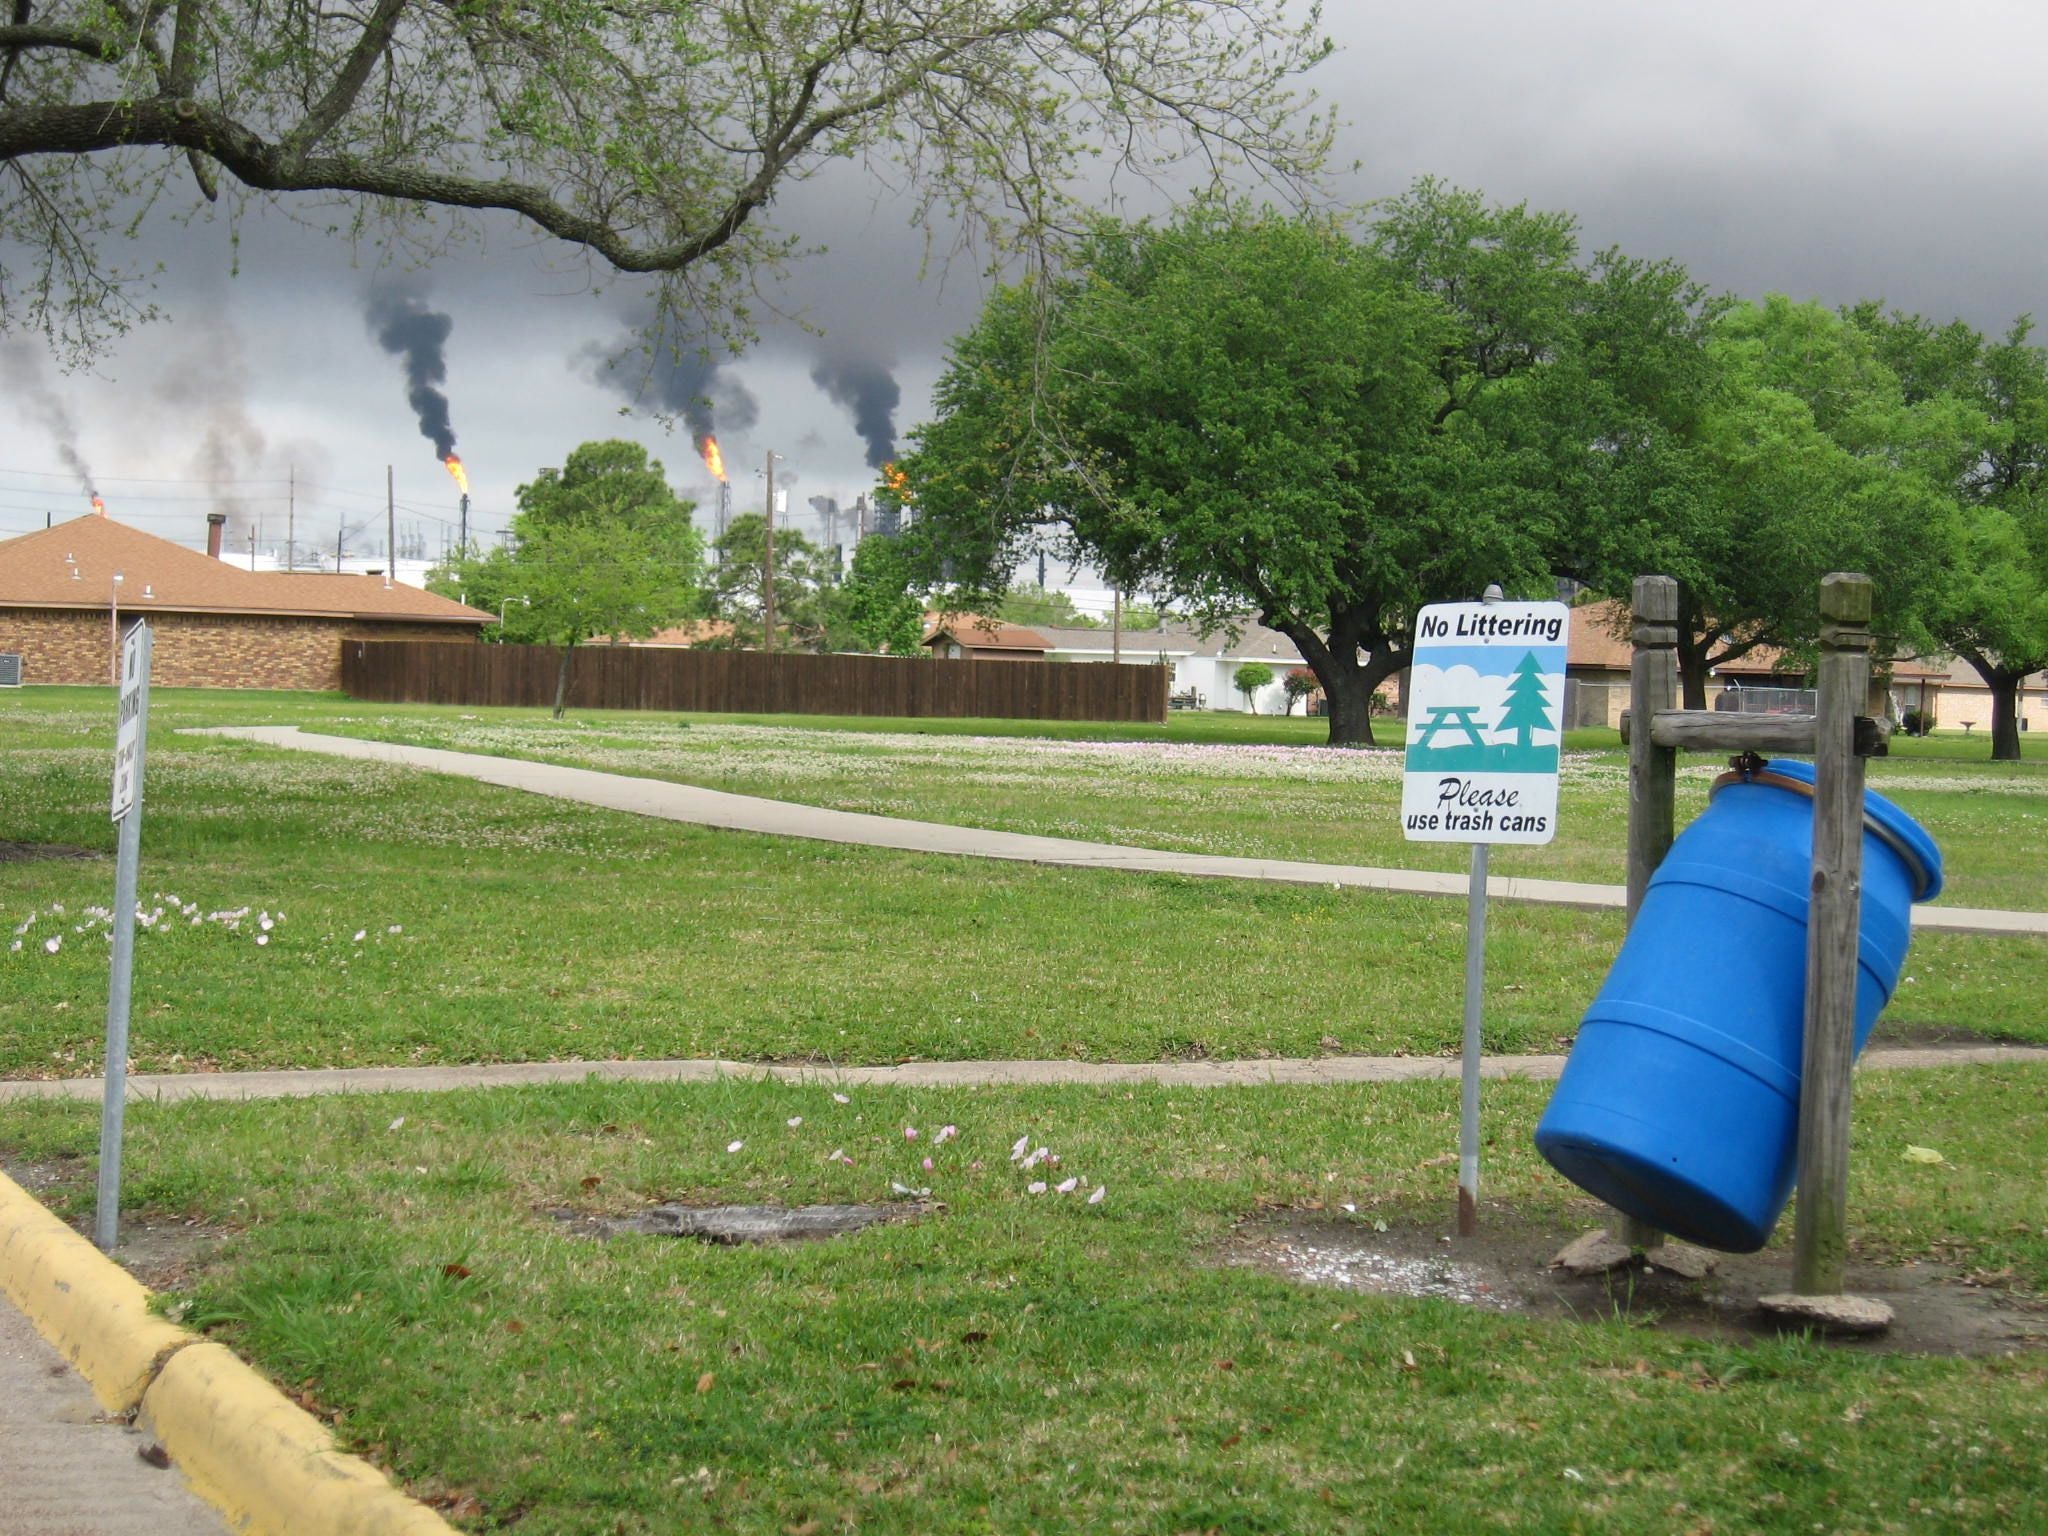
[461,475]
[713,459]
[897,481]
[99,506]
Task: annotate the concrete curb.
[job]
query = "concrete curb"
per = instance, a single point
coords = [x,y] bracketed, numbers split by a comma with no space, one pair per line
[265,1463]
[93,1312]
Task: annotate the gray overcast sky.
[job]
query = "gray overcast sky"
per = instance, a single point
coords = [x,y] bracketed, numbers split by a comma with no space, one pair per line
[1828,150]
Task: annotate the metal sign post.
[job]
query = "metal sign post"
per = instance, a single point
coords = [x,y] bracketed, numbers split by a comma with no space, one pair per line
[131,737]
[1485,731]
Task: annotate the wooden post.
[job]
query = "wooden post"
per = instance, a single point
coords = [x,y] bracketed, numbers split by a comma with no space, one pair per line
[1820,1231]
[1652,774]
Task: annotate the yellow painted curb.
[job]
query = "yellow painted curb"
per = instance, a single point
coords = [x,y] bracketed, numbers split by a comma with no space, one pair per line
[90,1309]
[266,1464]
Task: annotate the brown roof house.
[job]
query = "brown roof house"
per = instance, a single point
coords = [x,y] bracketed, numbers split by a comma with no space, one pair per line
[1600,653]
[966,636]
[65,591]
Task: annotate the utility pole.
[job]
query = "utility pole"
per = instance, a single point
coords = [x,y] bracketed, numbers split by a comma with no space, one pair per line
[390,527]
[465,525]
[291,519]
[768,559]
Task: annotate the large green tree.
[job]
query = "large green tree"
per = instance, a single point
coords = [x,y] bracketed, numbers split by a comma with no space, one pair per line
[881,604]
[804,588]
[601,547]
[649,135]
[1747,450]
[1989,604]
[1245,412]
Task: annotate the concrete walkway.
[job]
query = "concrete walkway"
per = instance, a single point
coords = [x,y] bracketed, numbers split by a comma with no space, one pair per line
[747,813]
[66,1469]
[171,1087]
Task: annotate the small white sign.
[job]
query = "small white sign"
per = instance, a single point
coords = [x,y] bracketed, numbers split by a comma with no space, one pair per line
[135,651]
[1485,716]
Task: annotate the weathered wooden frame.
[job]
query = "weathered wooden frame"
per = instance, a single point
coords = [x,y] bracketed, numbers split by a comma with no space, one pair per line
[1839,736]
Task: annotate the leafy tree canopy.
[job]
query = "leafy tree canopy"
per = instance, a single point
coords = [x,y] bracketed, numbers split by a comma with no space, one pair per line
[804,583]
[1245,412]
[1767,445]
[881,604]
[601,547]
[1988,603]
[648,135]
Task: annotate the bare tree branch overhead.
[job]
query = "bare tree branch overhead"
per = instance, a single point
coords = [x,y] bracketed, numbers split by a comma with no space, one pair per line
[649,135]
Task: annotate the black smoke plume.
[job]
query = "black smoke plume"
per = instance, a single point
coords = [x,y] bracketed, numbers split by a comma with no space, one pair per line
[870,395]
[681,383]
[407,329]
[22,366]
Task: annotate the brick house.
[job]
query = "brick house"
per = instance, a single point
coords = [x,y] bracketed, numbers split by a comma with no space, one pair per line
[63,590]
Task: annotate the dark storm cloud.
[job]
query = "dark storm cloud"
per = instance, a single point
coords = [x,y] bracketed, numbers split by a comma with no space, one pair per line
[1825,151]
[418,337]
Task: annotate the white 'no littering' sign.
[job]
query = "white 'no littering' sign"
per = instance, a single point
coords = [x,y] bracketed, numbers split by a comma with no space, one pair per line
[1485,723]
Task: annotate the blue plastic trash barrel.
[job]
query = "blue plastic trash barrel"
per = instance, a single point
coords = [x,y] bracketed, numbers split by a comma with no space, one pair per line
[1679,1104]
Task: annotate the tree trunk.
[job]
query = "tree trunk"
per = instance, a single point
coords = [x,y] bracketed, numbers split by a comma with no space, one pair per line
[2005,717]
[1350,713]
[562,680]
[2004,685]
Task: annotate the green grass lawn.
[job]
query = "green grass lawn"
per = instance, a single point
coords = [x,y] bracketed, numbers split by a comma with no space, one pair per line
[1030,1362]
[1259,796]
[532,929]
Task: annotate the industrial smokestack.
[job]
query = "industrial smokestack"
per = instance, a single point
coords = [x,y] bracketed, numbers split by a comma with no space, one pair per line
[216,524]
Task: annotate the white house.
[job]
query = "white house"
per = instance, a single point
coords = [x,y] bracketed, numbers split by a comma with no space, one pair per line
[1205,666]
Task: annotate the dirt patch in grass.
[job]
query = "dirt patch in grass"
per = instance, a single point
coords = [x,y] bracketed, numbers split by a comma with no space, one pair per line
[734,1225]
[1506,1268]
[162,1251]
[28,853]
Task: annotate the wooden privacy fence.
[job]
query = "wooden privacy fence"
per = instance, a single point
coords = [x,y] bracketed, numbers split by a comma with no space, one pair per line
[751,682]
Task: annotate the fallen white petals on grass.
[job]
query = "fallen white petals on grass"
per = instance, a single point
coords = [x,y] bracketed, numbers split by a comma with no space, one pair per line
[794,1121]
[734,1146]
[946,1134]
[1067,1186]
[53,943]
[1101,1191]
[262,938]
[905,1189]
[396,1124]
[840,1098]
[839,1156]
[1036,1187]
[361,934]
[1022,1146]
